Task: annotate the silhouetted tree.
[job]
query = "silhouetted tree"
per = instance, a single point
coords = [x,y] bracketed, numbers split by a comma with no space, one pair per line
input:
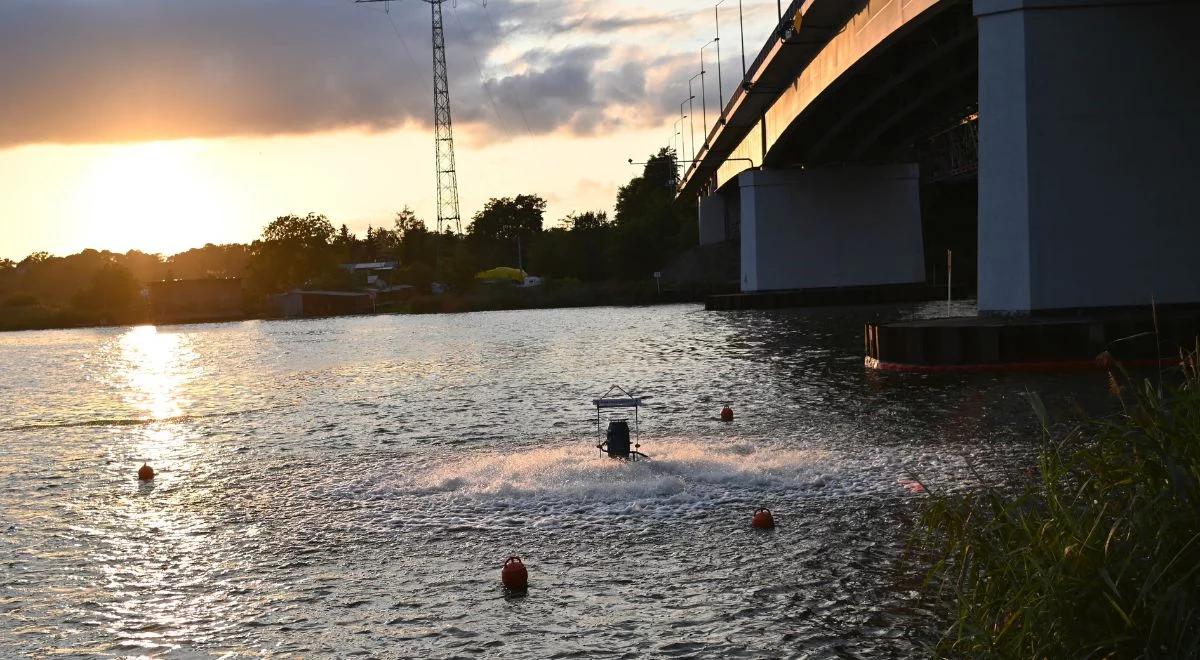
[37,258]
[501,233]
[587,221]
[144,267]
[210,261]
[311,231]
[407,222]
[113,291]
[292,251]
[506,218]
[650,225]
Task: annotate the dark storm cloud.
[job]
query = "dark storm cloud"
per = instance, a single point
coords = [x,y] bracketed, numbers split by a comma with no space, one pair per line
[91,71]
[107,70]
[559,91]
[604,24]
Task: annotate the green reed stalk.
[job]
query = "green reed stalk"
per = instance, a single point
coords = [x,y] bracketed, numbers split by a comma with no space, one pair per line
[1097,557]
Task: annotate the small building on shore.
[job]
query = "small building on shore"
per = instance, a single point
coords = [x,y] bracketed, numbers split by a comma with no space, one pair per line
[193,301]
[377,274]
[300,304]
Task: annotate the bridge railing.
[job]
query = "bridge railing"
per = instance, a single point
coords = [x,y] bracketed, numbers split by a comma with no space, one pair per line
[748,85]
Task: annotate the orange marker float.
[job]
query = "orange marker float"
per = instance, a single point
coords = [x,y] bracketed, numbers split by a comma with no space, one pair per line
[514,575]
[763,519]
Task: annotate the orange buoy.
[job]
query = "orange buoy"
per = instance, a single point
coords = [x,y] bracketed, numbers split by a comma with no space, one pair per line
[145,473]
[911,485]
[513,575]
[727,414]
[763,519]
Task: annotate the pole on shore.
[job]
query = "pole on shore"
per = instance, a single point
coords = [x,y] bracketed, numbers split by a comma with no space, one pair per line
[949,279]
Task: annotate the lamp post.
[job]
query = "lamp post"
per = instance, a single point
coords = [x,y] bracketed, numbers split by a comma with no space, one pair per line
[742,30]
[681,118]
[692,112]
[676,131]
[720,87]
[703,93]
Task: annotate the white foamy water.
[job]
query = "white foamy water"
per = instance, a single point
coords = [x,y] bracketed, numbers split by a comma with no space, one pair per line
[352,486]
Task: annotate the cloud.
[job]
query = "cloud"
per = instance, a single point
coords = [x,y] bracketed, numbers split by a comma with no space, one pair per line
[600,24]
[560,91]
[125,70]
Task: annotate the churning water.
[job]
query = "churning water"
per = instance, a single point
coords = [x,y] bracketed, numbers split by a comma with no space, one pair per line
[352,486]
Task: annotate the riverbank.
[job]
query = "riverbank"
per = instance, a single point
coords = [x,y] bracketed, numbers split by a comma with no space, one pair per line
[553,294]
[1097,554]
[483,297]
[47,317]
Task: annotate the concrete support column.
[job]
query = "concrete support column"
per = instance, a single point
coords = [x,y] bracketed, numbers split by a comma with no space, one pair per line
[719,216]
[712,210]
[1089,154]
[831,227]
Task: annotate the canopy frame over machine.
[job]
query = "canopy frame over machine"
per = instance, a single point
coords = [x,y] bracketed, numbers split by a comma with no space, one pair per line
[610,402]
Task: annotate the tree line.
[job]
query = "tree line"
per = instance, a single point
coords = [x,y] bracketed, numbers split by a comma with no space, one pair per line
[648,228]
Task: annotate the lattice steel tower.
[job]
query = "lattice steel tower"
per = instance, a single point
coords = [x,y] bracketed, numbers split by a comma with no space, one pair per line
[443,128]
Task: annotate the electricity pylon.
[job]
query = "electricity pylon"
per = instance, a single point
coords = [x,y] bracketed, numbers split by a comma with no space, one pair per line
[443,128]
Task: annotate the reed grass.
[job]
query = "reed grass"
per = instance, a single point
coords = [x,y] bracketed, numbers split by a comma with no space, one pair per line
[1097,555]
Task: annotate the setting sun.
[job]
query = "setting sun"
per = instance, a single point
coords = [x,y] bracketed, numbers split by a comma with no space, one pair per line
[156,196]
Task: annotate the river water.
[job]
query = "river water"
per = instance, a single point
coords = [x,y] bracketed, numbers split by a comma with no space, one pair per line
[352,486]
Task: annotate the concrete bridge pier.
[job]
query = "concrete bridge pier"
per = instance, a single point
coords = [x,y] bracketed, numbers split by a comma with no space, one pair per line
[1089,154]
[720,216]
[852,226]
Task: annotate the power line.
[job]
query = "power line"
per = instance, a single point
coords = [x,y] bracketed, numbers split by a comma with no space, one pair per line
[516,100]
[412,60]
[403,42]
[482,82]
[443,127]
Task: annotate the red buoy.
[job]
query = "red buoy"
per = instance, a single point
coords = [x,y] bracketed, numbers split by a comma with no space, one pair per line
[763,519]
[727,414]
[513,575]
[145,473]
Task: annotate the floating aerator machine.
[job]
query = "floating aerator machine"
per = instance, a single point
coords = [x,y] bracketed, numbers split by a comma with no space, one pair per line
[616,441]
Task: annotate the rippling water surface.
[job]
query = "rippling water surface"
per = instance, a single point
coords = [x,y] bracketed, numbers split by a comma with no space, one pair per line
[351,486]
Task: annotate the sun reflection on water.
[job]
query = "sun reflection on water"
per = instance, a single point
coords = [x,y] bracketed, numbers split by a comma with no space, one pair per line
[156,366]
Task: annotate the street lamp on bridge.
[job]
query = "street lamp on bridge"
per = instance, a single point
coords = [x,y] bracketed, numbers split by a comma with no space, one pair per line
[681,118]
[703,93]
[741,32]
[692,111]
[677,131]
[720,86]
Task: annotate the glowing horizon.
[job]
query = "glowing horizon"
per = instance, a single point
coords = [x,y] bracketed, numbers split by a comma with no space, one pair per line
[188,134]
[169,196]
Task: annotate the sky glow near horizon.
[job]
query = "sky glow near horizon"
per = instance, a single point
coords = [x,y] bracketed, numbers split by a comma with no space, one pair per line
[160,125]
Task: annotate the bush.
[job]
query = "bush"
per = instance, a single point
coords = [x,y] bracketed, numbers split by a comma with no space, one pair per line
[20,300]
[1099,557]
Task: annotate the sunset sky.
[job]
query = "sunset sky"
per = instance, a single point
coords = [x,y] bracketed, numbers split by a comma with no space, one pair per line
[161,125]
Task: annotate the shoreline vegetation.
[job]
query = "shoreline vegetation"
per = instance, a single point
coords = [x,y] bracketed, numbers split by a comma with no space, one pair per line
[1097,554]
[646,253]
[555,294]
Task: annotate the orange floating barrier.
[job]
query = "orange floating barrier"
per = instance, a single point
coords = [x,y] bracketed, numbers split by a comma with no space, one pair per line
[727,414]
[145,473]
